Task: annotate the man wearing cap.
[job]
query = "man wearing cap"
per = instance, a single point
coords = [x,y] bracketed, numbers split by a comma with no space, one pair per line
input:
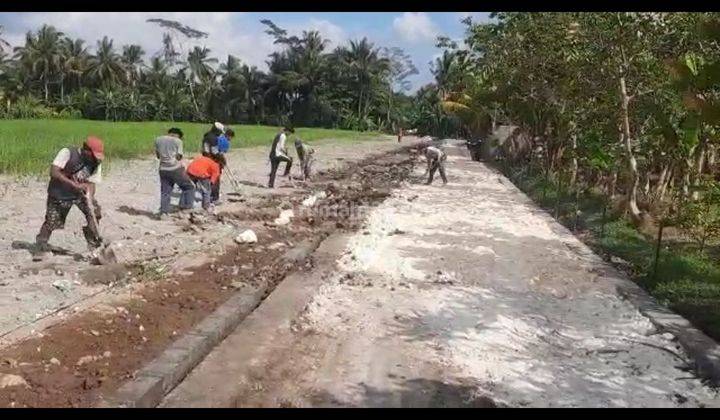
[73,175]
[278,154]
[169,150]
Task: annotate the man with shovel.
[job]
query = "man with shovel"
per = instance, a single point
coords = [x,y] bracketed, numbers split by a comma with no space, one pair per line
[73,175]
[278,154]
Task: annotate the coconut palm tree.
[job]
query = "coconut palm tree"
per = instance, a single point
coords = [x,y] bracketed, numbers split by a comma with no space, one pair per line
[42,55]
[75,62]
[132,59]
[106,67]
[199,70]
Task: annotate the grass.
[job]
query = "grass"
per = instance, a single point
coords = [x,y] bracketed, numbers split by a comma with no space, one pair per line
[687,281]
[27,147]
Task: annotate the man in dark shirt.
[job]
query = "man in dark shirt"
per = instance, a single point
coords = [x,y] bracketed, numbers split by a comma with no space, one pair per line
[73,175]
[211,148]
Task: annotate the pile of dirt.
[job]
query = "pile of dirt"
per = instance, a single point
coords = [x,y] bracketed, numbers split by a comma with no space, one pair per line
[93,353]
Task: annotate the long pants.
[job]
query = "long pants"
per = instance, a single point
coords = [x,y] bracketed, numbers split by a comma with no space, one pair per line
[275,163]
[56,213]
[306,164]
[168,180]
[434,166]
[215,193]
[205,187]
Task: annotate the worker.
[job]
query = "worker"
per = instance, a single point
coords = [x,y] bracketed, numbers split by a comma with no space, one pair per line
[278,154]
[435,160]
[223,147]
[73,175]
[204,172]
[169,150]
[306,155]
[211,148]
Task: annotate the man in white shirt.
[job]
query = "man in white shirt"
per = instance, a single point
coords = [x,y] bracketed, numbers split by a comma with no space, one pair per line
[73,175]
[435,160]
[279,154]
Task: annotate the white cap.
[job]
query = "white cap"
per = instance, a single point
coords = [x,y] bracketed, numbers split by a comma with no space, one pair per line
[220,126]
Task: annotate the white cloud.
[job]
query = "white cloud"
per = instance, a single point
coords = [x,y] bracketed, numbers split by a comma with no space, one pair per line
[329,30]
[415,27]
[225,37]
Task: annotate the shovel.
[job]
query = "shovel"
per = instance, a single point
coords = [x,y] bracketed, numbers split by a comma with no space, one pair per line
[103,254]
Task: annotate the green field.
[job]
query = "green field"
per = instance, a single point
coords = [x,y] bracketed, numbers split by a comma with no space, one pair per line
[28,146]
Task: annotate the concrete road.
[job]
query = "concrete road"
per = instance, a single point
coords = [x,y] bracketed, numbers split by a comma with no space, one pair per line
[462,295]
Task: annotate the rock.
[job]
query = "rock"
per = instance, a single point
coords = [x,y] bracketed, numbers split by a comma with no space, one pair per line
[277,245]
[247,237]
[12,363]
[54,361]
[620,262]
[7,380]
[86,359]
[396,232]
[62,285]
[107,354]
[141,328]
[95,333]
[284,217]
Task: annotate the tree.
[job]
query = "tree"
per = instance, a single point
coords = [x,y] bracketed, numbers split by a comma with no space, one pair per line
[42,55]
[105,67]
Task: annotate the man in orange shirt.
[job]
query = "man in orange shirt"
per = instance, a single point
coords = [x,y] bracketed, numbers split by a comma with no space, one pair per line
[204,172]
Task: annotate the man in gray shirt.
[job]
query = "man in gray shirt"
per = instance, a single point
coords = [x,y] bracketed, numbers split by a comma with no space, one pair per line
[169,150]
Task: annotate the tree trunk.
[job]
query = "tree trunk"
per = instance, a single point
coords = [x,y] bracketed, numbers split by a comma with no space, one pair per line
[699,165]
[634,183]
[573,174]
[47,94]
[613,184]
[62,88]
[660,186]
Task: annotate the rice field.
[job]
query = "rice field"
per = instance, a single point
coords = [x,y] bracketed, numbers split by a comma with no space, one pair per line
[27,147]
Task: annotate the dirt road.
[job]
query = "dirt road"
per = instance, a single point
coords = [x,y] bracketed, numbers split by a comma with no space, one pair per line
[74,333]
[463,295]
[129,197]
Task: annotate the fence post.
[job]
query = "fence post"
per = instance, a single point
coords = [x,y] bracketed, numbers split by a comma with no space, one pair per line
[658,246]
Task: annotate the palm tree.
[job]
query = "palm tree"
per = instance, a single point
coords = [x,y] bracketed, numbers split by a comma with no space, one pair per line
[132,59]
[200,70]
[3,43]
[365,68]
[106,67]
[75,61]
[42,55]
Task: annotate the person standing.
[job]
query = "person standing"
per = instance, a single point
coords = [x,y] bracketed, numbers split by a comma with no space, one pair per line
[204,172]
[223,147]
[306,155]
[278,154]
[73,175]
[435,161]
[169,150]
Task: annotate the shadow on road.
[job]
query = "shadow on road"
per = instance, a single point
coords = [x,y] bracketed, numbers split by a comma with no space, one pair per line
[412,393]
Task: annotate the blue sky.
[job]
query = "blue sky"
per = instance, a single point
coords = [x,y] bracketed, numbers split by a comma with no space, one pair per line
[242,34]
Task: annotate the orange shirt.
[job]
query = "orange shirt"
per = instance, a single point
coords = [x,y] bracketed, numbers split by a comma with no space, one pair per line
[204,167]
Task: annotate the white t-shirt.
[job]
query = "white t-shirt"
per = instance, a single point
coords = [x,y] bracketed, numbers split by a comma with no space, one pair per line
[62,159]
[280,148]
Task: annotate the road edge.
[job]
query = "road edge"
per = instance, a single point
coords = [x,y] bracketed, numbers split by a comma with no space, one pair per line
[159,377]
[703,350]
